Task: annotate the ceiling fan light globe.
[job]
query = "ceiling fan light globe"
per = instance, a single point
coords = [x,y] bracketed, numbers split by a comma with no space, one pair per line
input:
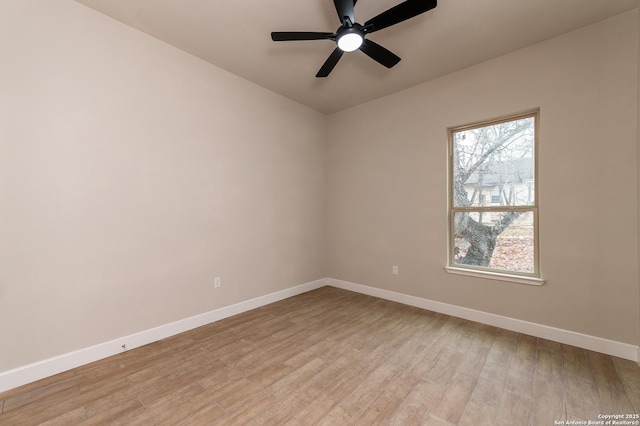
[350,41]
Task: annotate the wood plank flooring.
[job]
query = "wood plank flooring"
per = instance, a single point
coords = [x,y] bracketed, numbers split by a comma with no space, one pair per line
[333,357]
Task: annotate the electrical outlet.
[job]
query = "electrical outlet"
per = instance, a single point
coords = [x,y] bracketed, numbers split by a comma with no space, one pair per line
[217,282]
[394,270]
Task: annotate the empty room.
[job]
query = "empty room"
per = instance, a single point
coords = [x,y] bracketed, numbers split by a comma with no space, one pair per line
[319,212]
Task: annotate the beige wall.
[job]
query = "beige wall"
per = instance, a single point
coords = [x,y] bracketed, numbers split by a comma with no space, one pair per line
[638,163]
[132,174]
[386,182]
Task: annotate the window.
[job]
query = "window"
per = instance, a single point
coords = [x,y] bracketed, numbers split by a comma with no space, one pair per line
[496,161]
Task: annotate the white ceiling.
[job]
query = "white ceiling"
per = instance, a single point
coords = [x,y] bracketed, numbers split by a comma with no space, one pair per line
[235,35]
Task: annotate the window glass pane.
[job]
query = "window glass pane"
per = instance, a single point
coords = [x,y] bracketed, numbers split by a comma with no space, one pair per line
[498,240]
[494,165]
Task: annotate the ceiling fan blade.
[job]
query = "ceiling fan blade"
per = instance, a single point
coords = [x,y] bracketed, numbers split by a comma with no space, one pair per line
[300,35]
[402,12]
[379,54]
[345,8]
[330,63]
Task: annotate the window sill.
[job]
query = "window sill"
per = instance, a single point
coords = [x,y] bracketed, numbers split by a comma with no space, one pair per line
[519,279]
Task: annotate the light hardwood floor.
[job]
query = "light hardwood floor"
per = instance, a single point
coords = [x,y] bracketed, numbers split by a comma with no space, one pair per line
[333,357]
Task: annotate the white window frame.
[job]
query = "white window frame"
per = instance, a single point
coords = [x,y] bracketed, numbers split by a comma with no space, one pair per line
[533,278]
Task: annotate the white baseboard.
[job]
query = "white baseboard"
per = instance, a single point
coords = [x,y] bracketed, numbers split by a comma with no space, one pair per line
[49,367]
[598,344]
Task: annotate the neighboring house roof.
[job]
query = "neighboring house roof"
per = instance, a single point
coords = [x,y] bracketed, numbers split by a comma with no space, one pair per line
[500,173]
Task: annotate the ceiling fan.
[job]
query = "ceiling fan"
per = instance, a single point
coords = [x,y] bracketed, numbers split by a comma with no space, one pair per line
[351,35]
